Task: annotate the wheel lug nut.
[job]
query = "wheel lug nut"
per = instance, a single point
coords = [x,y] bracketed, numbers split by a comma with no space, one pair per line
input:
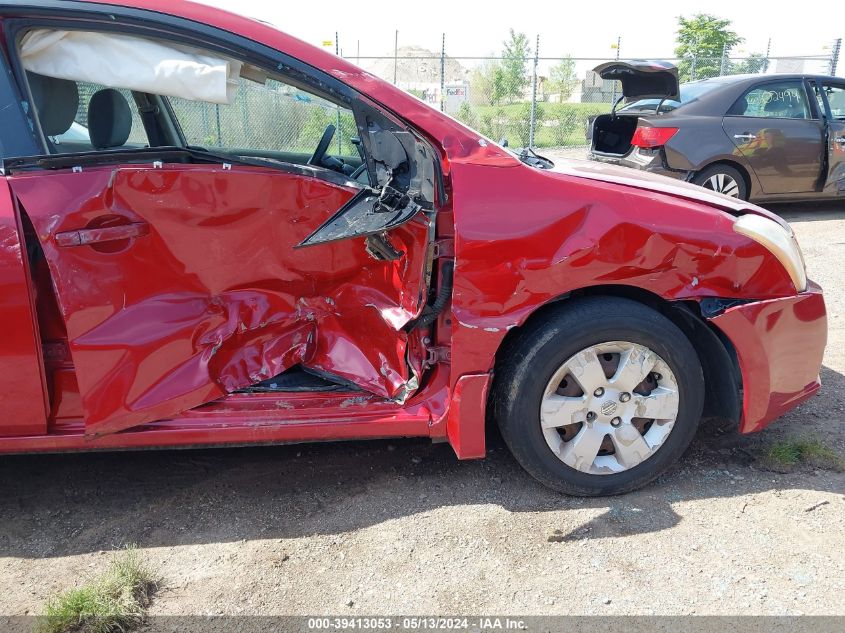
[591,416]
[598,393]
[624,397]
[616,422]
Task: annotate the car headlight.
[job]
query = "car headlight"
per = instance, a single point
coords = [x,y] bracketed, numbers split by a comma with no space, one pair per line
[779,241]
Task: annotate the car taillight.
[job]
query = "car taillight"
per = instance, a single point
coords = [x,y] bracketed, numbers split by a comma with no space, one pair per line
[650,137]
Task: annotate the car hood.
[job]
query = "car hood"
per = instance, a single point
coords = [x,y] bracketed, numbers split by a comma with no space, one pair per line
[614,174]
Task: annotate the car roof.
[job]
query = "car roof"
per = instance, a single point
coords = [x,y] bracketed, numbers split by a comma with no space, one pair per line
[728,88]
[755,77]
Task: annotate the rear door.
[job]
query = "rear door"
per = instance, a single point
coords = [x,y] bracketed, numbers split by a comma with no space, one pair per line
[776,128]
[177,271]
[831,100]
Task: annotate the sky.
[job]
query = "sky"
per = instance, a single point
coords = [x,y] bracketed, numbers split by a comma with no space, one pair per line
[579,29]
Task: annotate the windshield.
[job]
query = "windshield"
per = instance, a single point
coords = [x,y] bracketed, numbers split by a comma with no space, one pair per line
[689,92]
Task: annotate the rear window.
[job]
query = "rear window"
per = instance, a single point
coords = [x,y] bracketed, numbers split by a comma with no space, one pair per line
[689,93]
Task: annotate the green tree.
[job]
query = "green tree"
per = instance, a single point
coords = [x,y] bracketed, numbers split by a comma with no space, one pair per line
[467,116]
[519,124]
[494,124]
[487,84]
[514,77]
[753,64]
[564,124]
[562,79]
[700,43]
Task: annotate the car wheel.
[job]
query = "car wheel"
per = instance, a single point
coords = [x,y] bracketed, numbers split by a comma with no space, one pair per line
[600,398]
[723,179]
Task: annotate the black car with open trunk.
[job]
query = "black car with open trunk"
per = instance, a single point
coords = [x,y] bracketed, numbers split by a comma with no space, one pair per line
[765,137]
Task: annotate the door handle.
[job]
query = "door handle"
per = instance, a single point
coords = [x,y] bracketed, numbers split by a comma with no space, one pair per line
[840,139]
[83,237]
[746,137]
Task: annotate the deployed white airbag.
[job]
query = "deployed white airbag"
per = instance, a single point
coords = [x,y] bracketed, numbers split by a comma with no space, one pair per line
[124,61]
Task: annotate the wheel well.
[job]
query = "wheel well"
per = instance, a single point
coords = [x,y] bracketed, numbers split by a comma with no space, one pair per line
[722,377]
[740,168]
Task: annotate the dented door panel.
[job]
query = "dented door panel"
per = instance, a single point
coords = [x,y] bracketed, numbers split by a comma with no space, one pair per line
[211,295]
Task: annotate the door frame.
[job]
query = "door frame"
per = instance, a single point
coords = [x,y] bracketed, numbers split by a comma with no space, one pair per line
[830,138]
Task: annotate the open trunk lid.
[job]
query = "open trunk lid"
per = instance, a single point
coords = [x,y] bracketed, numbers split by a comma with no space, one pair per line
[643,79]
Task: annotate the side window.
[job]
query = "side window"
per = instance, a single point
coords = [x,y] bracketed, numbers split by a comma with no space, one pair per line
[219,103]
[783,100]
[836,99]
[266,117]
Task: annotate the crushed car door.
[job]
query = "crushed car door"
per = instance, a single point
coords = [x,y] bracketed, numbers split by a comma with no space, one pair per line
[180,282]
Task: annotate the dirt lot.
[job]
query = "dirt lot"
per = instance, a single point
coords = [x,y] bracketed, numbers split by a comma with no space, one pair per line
[403,527]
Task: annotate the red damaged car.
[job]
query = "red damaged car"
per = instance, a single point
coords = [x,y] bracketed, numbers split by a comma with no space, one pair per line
[212,233]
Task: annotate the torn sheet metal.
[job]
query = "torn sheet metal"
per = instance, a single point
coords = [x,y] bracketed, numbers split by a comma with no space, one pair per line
[214,297]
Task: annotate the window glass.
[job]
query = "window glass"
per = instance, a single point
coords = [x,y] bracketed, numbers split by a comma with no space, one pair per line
[836,99]
[266,117]
[784,100]
[819,99]
[689,92]
[76,138]
[64,109]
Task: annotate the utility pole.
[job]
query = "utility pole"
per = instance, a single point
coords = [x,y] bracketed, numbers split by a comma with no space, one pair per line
[724,65]
[834,55]
[533,123]
[395,56]
[337,129]
[443,74]
[618,46]
[768,53]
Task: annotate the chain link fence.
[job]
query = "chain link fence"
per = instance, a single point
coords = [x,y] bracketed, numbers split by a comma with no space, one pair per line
[541,102]
[545,102]
[270,116]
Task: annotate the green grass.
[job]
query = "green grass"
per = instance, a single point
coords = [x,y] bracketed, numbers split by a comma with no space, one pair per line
[787,454]
[511,122]
[115,601]
[551,109]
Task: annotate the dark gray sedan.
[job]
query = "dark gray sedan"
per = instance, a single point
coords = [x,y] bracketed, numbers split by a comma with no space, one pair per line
[761,137]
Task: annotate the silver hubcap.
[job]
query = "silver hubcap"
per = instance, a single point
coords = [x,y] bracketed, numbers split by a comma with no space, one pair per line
[723,184]
[609,407]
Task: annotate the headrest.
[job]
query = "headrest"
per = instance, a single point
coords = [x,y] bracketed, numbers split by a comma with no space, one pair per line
[776,105]
[109,119]
[56,102]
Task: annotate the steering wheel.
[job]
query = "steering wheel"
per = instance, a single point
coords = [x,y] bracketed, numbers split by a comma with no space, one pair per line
[322,146]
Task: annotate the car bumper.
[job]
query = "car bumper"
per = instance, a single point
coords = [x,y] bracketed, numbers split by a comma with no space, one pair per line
[779,345]
[645,160]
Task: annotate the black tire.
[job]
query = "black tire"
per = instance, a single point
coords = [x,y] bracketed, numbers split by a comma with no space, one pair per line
[533,356]
[703,179]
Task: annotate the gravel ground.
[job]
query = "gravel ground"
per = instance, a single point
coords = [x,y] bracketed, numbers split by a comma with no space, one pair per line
[403,527]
